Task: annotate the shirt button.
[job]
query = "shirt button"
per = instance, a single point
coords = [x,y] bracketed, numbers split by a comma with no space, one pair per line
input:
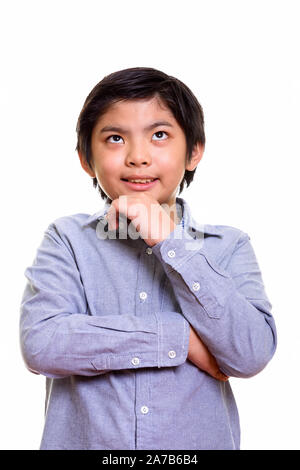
[196,286]
[172,354]
[149,251]
[144,409]
[171,253]
[135,361]
[143,295]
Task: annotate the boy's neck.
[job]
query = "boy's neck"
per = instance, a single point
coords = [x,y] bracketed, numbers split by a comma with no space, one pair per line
[175,212]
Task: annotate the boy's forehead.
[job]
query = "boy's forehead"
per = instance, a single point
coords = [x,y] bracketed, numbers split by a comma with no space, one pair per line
[131,107]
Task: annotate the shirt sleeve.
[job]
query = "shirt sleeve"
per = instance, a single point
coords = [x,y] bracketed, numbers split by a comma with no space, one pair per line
[228,309]
[58,336]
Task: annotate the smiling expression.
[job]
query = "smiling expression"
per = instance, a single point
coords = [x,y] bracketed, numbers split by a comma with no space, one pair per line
[139,138]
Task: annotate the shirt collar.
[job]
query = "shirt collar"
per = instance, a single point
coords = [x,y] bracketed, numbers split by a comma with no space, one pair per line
[188,221]
[98,215]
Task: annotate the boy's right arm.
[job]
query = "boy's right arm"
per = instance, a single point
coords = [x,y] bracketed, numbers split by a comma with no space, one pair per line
[58,338]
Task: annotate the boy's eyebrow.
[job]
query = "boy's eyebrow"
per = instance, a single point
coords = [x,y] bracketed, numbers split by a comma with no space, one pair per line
[124,131]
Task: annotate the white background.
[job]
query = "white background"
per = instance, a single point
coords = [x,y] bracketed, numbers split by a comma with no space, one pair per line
[241,60]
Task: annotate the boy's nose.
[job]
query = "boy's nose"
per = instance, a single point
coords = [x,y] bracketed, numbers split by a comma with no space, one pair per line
[138,156]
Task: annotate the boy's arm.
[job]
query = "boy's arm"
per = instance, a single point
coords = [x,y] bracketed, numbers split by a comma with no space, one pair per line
[229,310]
[58,338]
[201,357]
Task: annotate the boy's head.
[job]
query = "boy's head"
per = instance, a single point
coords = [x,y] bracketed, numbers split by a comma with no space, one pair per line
[115,141]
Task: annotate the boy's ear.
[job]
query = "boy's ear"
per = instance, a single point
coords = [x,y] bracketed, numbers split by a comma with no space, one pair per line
[197,154]
[85,165]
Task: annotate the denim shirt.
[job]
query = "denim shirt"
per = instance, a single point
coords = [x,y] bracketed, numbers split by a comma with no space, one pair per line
[106,319]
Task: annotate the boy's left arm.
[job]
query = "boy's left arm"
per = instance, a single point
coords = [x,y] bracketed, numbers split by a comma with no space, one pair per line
[229,310]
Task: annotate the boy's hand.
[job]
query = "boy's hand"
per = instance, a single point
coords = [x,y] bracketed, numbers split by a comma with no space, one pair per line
[202,358]
[149,218]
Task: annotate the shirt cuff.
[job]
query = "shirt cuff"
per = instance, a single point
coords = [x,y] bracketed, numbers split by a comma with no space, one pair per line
[181,253]
[173,338]
[170,348]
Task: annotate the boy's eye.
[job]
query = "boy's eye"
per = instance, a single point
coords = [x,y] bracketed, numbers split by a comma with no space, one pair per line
[160,132]
[119,137]
[115,135]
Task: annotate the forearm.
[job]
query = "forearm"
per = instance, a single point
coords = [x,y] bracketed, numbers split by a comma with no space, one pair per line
[65,343]
[201,357]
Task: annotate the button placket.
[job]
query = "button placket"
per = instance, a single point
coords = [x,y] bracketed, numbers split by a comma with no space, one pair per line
[145,305]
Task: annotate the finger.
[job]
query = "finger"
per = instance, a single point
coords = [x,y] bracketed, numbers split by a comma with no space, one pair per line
[221,376]
[216,373]
[112,220]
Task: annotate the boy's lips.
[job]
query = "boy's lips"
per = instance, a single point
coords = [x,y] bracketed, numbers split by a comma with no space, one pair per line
[136,176]
[140,186]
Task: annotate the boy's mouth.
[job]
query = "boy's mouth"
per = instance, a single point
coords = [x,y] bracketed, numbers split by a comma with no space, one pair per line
[140,180]
[140,184]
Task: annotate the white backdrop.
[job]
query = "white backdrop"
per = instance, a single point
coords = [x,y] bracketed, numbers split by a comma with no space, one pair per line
[241,59]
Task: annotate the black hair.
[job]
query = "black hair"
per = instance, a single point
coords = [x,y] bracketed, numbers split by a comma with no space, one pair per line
[142,83]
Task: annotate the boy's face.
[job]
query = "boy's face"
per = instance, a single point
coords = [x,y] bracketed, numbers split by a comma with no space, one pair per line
[133,150]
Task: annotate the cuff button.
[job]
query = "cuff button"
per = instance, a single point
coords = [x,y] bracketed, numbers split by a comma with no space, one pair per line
[135,361]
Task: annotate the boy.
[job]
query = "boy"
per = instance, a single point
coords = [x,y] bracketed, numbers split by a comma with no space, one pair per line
[137,315]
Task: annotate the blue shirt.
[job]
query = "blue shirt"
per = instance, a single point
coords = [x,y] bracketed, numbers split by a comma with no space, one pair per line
[106,319]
